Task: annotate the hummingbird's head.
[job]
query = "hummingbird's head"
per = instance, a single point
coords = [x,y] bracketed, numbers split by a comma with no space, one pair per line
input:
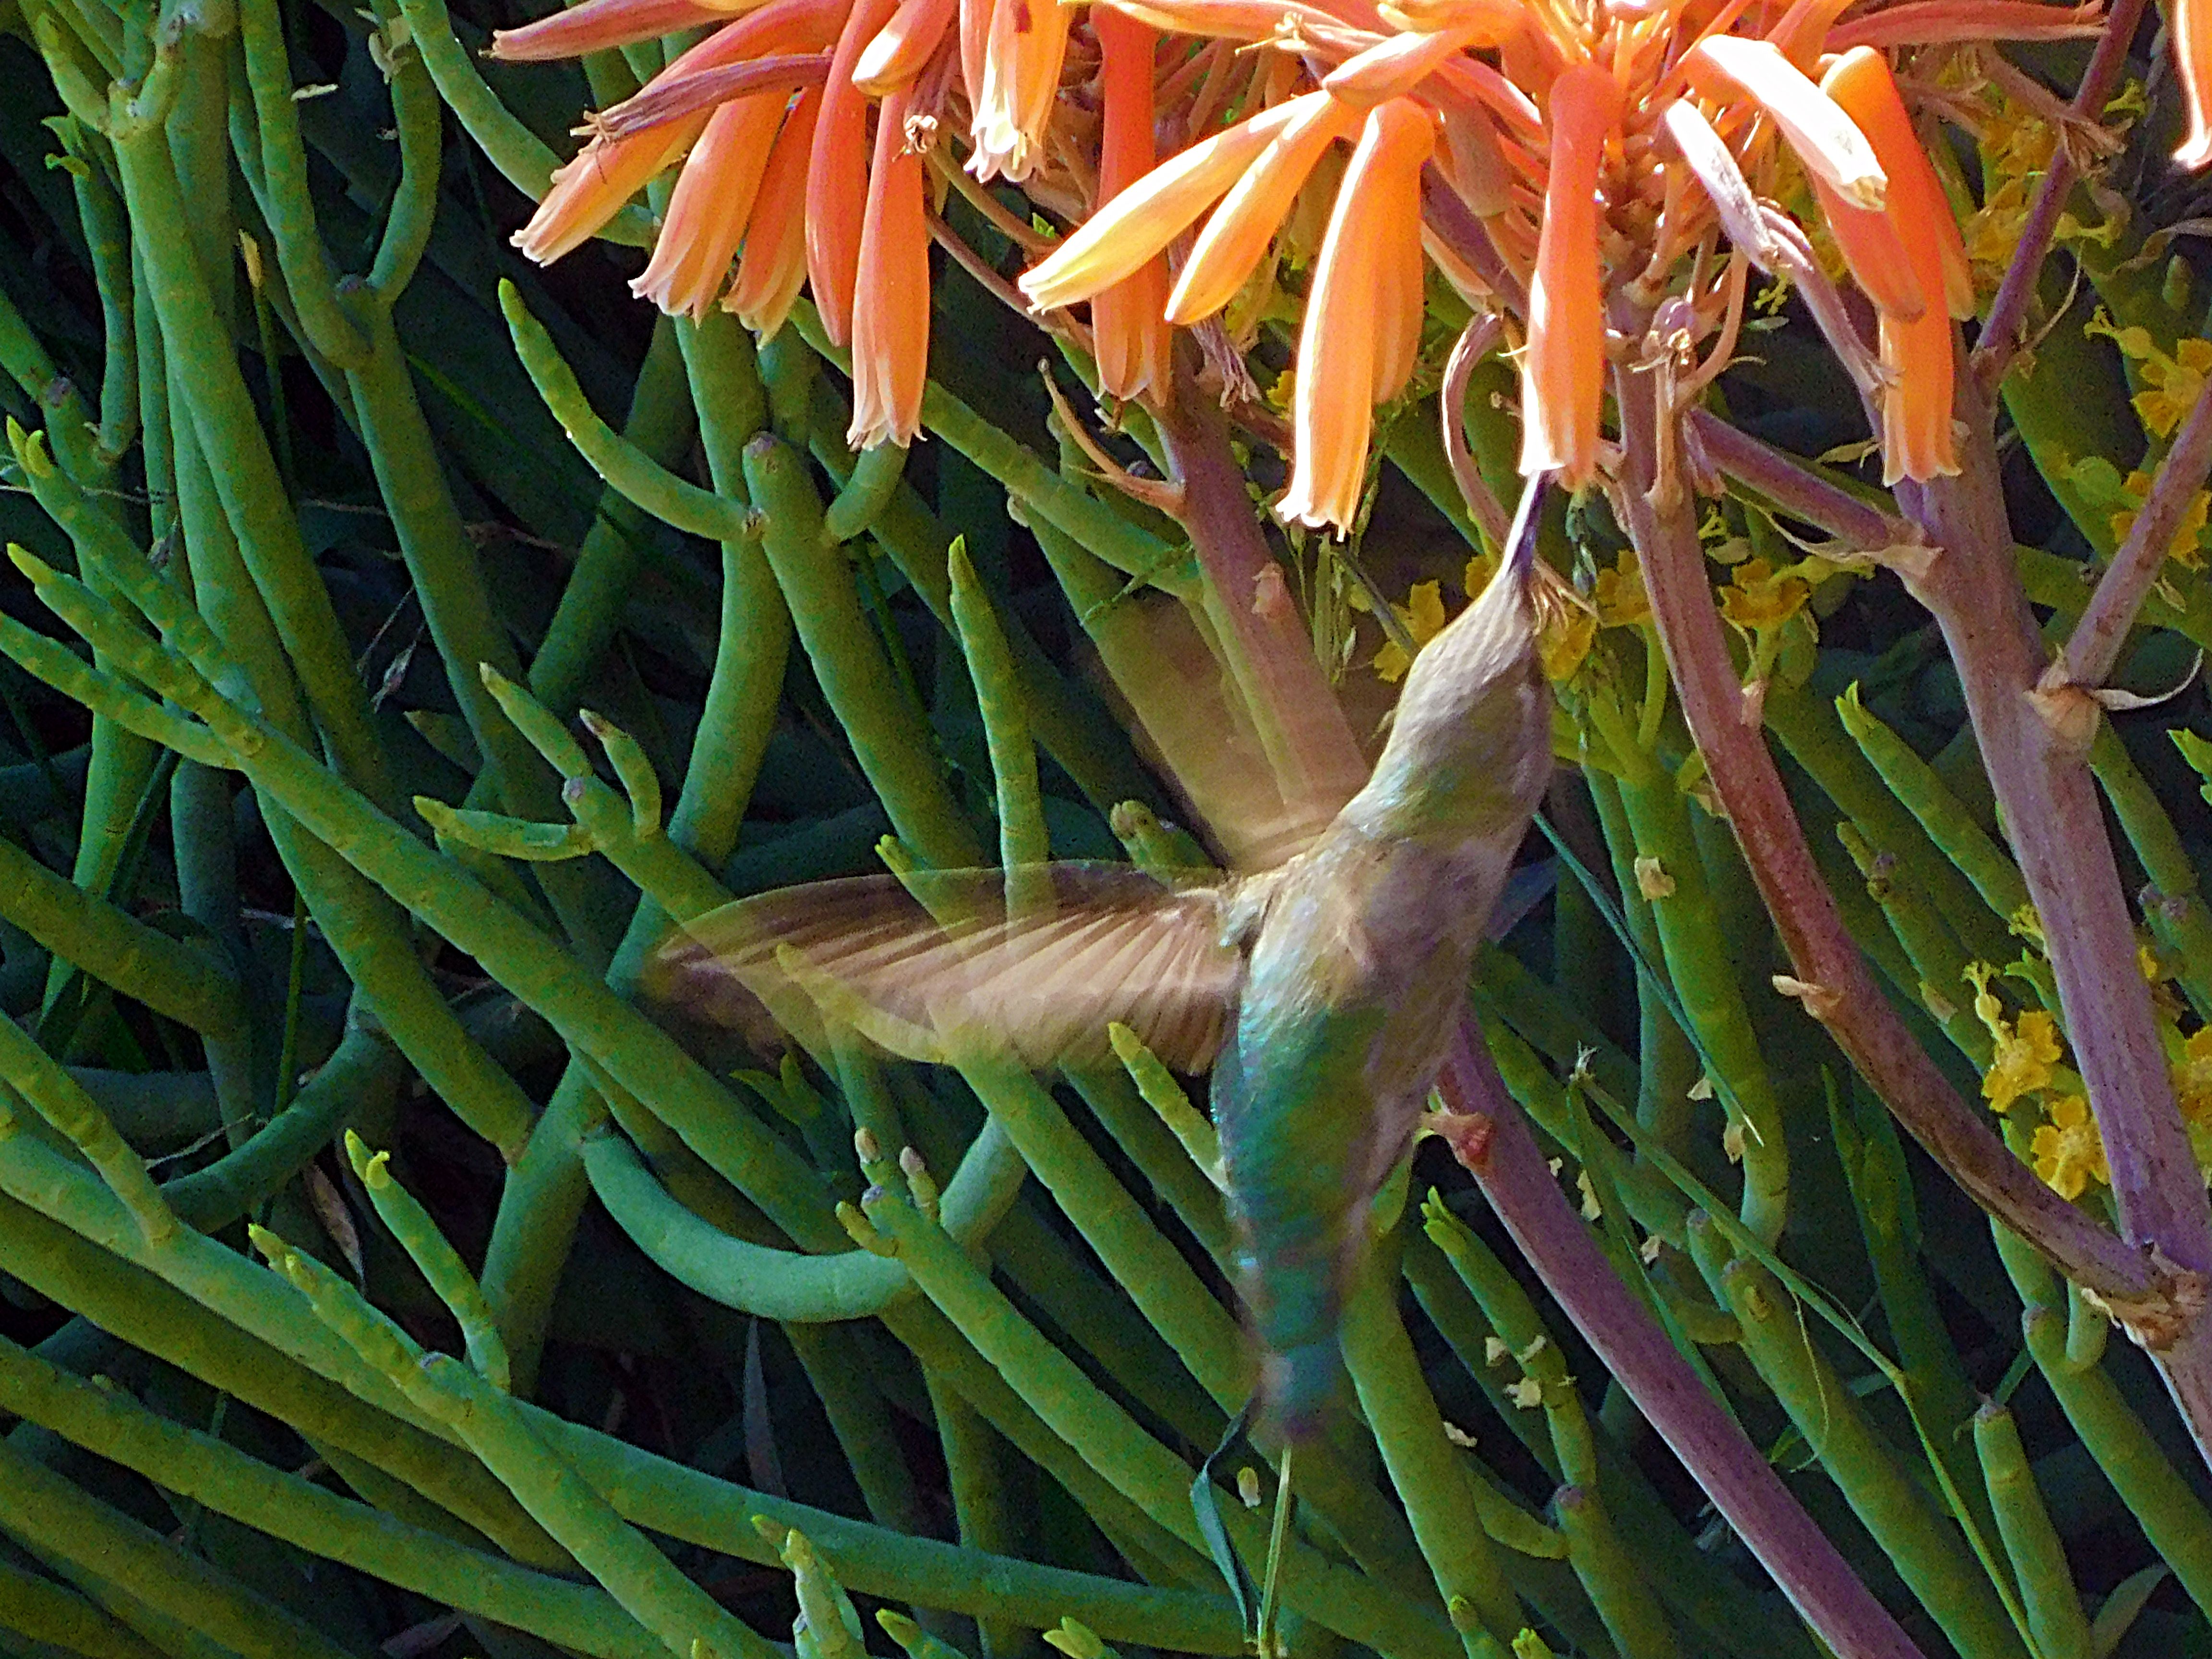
[1470,746]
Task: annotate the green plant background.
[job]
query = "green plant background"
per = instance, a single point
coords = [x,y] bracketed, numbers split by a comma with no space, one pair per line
[695,1407]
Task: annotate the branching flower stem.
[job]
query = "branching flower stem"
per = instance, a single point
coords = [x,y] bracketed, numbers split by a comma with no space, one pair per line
[2003,332]
[2036,757]
[1832,977]
[2094,648]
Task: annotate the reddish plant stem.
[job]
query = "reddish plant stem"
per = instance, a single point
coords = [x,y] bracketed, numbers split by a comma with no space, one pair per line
[2004,333]
[2094,646]
[1839,991]
[1797,491]
[1449,216]
[2035,754]
[1318,765]
[1486,1131]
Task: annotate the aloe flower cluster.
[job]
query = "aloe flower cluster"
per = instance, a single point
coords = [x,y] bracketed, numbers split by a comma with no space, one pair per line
[1596,158]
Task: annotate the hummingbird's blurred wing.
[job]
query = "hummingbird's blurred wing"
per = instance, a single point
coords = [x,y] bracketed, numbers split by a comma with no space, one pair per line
[948,975]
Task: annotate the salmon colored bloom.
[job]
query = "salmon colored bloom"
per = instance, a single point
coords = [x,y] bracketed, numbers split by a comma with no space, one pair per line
[592,188]
[1832,149]
[1563,375]
[708,210]
[1130,336]
[1139,222]
[1362,315]
[890,306]
[692,253]
[837,175]
[774,266]
[1013,100]
[1236,236]
[1916,349]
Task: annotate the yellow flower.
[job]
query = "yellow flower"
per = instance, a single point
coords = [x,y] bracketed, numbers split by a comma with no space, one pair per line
[2186,551]
[1565,634]
[2192,1078]
[1761,597]
[2172,384]
[1423,613]
[2024,1053]
[1619,593]
[2067,1152]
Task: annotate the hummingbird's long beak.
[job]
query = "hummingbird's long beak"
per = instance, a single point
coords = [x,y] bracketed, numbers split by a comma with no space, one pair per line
[1528,518]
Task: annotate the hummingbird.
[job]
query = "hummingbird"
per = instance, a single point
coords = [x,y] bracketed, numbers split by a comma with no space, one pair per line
[1321,994]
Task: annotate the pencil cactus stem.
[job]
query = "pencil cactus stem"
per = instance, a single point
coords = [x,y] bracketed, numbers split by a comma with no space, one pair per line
[1915,783]
[547,735]
[441,1264]
[875,476]
[627,469]
[1022,843]
[2038,1557]
[1428,1480]
[894,747]
[284,194]
[61,1101]
[632,768]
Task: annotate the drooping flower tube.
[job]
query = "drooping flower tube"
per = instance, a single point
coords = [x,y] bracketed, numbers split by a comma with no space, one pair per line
[891,306]
[1362,314]
[1563,374]
[1134,346]
[1917,350]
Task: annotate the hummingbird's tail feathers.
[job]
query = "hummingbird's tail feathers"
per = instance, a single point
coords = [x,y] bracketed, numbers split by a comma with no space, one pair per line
[1298,1386]
[932,968]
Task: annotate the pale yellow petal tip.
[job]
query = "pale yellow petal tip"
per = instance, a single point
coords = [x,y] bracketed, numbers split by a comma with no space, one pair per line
[2197,150]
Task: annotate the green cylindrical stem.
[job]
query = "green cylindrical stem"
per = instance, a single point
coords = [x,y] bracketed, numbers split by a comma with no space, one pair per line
[1609,1572]
[1022,843]
[2177,1524]
[303,1515]
[56,1517]
[1470,1573]
[891,742]
[1142,1469]
[114,947]
[1946,819]
[1925,1545]
[60,1618]
[2039,1558]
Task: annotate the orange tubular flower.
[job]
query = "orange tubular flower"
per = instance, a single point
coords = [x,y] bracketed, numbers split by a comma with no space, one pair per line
[1130,331]
[1140,221]
[708,210]
[1563,374]
[1832,148]
[1237,234]
[1916,351]
[1354,344]
[1023,43]
[902,45]
[891,306]
[592,188]
[692,252]
[838,174]
[773,268]
[597,25]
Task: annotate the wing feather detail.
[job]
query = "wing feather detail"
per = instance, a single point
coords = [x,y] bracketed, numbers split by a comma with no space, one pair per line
[941,973]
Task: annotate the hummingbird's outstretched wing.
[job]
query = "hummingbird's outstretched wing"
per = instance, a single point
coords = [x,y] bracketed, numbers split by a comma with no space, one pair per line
[948,974]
